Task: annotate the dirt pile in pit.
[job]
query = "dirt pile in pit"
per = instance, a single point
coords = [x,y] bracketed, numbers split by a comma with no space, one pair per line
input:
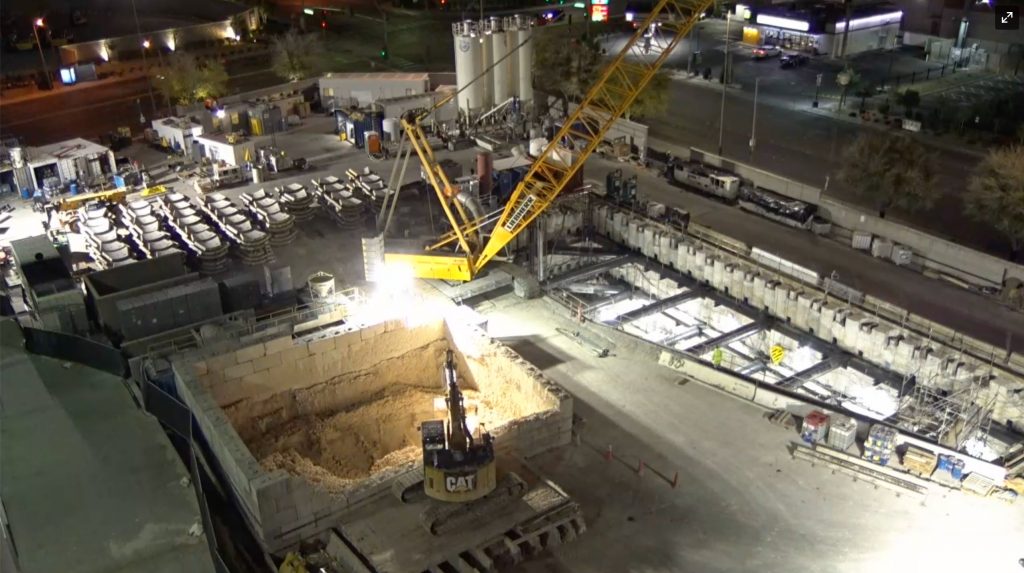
[339,448]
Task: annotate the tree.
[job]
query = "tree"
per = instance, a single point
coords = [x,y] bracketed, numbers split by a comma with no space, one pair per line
[185,81]
[564,65]
[297,56]
[652,100]
[891,169]
[569,67]
[995,194]
[909,99]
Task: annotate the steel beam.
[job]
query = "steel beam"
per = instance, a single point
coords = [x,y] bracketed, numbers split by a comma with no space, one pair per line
[658,306]
[584,273]
[727,338]
[797,380]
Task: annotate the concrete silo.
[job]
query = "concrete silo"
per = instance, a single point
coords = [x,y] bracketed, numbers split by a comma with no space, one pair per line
[524,34]
[502,72]
[468,65]
[487,49]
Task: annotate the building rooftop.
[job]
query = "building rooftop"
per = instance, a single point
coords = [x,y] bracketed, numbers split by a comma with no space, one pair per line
[101,489]
[377,76]
[69,149]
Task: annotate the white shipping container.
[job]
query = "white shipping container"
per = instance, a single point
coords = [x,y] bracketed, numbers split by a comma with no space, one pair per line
[881,248]
[862,240]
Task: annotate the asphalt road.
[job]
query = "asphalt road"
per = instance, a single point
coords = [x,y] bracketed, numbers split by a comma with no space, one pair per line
[805,147]
[101,108]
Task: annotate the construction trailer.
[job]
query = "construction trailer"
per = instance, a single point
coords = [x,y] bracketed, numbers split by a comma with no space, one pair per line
[75,163]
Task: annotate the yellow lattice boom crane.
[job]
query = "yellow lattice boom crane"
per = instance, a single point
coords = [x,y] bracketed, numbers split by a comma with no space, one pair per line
[618,85]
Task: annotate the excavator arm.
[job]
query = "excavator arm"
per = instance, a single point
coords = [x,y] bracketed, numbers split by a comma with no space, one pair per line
[617,87]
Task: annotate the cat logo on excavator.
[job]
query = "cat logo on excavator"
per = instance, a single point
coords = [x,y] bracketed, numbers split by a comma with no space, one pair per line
[456,483]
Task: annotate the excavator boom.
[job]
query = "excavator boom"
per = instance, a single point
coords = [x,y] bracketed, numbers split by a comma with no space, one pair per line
[618,85]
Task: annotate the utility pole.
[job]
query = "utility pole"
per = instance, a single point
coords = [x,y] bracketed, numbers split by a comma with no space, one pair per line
[725,80]
[753,123]
[36,24]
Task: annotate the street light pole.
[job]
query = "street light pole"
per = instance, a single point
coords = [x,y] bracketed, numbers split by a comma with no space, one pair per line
[753,123]
[725,79]
[149,82]
[38,23]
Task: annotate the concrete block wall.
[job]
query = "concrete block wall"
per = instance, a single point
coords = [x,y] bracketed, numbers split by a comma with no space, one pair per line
[284,509]
[877,339]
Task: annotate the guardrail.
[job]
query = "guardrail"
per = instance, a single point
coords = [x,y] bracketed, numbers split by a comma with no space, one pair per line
[349,300]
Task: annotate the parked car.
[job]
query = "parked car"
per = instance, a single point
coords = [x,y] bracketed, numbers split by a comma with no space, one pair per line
[765,52]
[792,61]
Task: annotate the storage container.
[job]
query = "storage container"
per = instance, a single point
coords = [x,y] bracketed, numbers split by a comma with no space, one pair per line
[862,240]
[815,427]
[842,433]
[902,255]
[881,248]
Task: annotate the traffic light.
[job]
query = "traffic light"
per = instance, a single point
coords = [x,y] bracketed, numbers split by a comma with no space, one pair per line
[384,53]
[323,24]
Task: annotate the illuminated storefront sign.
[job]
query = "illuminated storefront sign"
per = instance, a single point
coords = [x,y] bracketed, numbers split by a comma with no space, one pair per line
[598,10]
[870,21]
[785,23]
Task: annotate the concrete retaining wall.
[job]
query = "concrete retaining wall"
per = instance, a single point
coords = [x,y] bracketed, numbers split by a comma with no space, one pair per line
[931,251]
[879,340]
[284,509]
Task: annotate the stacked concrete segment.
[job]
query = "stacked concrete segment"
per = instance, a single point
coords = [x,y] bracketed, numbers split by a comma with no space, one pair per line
[191,229]
[267,211]
[104,243]
[251,244]
[371,186]
[340,201]
[297,201]
[145,230]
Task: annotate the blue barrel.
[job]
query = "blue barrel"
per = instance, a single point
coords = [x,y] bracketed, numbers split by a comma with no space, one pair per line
[73,188]
[119,181]
[26,193]
[943,462]
[957,471]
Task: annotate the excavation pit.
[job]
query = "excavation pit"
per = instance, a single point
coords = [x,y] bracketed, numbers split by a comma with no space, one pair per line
[306,431]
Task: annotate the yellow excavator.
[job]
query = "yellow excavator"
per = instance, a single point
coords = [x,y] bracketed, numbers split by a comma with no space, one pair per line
[474,240]
[457,466]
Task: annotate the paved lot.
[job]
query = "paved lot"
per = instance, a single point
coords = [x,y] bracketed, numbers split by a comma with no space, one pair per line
[741,504]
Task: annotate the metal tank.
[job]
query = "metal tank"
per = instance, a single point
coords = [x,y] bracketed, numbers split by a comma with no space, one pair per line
[468,64]
[392,128]
[524,35]
[502,72]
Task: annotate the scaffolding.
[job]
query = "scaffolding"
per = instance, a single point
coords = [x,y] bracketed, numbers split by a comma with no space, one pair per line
[951,418]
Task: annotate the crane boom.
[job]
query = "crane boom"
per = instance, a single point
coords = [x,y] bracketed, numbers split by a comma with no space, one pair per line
[615,90]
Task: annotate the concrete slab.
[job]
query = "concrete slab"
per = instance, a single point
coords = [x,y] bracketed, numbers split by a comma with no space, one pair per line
[741,503]
[89,482]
